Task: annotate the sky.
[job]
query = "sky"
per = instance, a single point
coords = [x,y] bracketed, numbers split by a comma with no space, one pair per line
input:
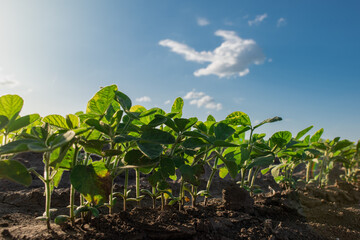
[298,60]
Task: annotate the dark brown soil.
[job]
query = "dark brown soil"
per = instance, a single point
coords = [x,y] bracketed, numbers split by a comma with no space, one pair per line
[308,213]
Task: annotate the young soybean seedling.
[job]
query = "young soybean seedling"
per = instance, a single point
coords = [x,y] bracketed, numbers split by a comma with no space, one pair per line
[41,139]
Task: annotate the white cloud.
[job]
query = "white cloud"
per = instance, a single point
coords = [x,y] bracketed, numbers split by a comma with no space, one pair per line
[270,60]
[200,99]
[258,19]
[7,80]
[232,57]
[202,22]
[281,22]
[143,99]
[167,102]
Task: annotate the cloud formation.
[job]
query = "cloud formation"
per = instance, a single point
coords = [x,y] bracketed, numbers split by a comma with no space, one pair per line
[200,99]
[202,22]
[143,99]
[232,57]
[258,19]
[281,22]
[7,80]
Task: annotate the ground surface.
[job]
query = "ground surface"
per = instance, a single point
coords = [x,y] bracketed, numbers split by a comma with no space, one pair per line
[308,213]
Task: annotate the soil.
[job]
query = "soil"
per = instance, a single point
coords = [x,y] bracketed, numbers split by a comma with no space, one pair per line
[307,213]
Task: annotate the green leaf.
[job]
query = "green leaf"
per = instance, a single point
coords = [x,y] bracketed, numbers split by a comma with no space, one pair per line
[125,138]
[17,146]
[10,106]
[61,219]
[56,120]
[188,173]
[62,139]
[223,172]
[3,121]
[341,145]
[281,138]
[183,124]
[22,122]
[269,120]
[93,181]
[136,158]
[192,143]
[303,132]
[100,102]
[15,171]
[238,118]
[177,107]
[124,100]
[167,166]
[100,126]
[210,118]
[223,131]
[72,121]
[195,135]
[263,161]
[157,136]
[316,137]
[221,143]
[152,150]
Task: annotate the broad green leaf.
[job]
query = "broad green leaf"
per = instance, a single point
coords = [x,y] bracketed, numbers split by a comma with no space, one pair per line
[223,172]
[188,173]
[167,166]
[281,138]
[157,120]
[61,219]
[263,161]
[177,107]
[15,171]
[155,178]
[150,149]
[136,158]
[57,178]
[341,145]
[171,124]
[56,120]
[124,100]
[316,137]
[303,132]
[269,120]
[195,134]
[210,118]
[238,118]
[157,136]
[10,106]
[17,146]
[201,126]
[100,126]
[72,121]
[100,102]
[22,122]
[221,143]
[223,131]
[184,124]
[93,181]
[62,139]
[125,138]
[64,153]
[192,143]
[3,121]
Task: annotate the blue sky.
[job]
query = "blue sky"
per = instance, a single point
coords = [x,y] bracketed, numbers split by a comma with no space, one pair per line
[297,59]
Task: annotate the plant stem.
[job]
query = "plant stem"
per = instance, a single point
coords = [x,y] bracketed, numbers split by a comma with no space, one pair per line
[47,188]
[213,171]
[111,198]
[137,176]
[181,194]
[154,197]
[308,169]
[254,176]
[126,188]
[193,195]
[72,200]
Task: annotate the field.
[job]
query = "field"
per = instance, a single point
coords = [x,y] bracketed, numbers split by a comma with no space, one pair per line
[119,171]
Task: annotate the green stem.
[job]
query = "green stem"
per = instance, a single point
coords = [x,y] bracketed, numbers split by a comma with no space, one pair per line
[111,198]
[47,188]
[213,171]
[254,176]
[72,202]
[154,197]
[126,187]
[137,176]
[308,169]
[181,194]
[193,195]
